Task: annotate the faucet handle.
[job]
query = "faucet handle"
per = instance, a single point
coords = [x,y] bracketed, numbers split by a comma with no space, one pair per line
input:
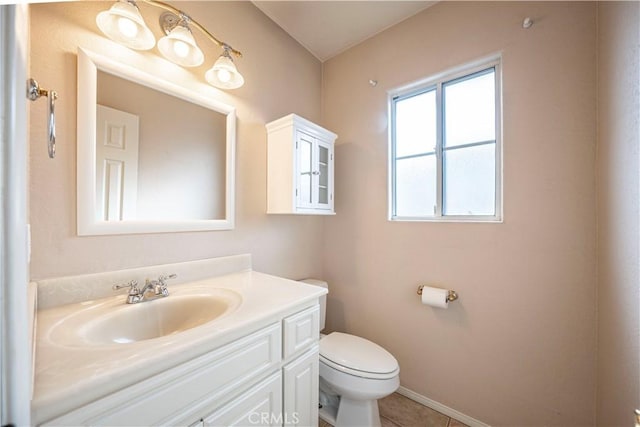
[164,277]
[161,288]
[132,285]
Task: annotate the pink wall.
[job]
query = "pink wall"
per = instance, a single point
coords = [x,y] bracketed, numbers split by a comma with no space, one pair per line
[519,346]
[618,212]
[281,77]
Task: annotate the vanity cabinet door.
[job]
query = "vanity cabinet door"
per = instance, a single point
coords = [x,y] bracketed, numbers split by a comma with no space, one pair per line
[301,383]
[300,331]
[260,406]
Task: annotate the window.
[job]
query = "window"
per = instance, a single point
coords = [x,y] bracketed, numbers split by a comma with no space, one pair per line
[445,150]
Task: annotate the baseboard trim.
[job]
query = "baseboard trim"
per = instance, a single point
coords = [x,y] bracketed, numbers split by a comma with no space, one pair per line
[443,409]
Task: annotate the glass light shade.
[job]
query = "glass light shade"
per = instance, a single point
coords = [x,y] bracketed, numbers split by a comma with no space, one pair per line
[124,24]
[180,47]
[224,73]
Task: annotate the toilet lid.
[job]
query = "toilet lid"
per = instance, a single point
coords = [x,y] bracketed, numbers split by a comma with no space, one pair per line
[357,354]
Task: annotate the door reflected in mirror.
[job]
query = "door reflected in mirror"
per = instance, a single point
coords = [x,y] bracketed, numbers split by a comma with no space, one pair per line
[158,157]
[153,156]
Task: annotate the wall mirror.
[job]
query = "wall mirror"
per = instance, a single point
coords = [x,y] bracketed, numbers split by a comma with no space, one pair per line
[153,157]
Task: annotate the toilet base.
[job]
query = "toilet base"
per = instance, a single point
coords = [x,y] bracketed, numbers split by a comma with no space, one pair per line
[328,414]
[357,413]
[340,411]
[329,402]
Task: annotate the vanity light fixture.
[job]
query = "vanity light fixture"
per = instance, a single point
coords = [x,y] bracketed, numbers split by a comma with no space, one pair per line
[179,46]
[123,23]
[224,73]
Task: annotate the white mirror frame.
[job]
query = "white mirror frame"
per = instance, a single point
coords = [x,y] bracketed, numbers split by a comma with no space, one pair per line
[88,64]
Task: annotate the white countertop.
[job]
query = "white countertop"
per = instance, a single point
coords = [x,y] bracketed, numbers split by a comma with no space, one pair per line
[68,377]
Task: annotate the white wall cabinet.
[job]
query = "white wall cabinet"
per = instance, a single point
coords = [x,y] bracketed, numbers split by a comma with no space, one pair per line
[300,158]
[267,378]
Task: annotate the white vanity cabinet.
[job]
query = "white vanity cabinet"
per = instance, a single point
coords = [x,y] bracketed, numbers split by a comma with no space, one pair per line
[189,392]
[254,365]
[287,398]
[300,158]
[301,333]
[301,385]
[267,378]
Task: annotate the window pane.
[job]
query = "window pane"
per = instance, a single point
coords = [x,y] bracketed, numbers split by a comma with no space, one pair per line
[470,110]
[470,180]
[416,186]
[416,124]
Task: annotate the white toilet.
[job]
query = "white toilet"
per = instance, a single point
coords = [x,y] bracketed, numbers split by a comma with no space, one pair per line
[354,374]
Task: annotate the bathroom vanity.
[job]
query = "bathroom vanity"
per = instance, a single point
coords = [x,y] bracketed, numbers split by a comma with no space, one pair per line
[235,347]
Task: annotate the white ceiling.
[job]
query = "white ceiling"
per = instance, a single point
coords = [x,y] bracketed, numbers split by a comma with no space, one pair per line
[327,28]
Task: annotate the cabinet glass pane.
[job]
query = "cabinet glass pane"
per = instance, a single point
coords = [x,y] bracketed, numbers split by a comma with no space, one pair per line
[415,130]
[416,186]
[470,180]
[305,150]
[323,195]
[470,110]
[323,177]
[323,154]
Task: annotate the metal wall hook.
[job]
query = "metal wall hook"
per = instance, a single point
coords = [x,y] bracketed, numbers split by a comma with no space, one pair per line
[34,91]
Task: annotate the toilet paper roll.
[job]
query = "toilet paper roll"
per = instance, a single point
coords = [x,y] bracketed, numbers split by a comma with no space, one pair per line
[435,297]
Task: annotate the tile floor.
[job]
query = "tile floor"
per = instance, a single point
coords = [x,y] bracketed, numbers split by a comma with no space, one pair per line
[399,411]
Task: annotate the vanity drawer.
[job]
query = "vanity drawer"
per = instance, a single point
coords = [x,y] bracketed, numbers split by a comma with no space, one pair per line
[187,390]
[301,330]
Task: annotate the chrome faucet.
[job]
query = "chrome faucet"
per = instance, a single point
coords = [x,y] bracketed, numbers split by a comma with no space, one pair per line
[157,286]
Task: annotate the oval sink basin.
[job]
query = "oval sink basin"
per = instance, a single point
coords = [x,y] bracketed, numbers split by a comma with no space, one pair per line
[114,322]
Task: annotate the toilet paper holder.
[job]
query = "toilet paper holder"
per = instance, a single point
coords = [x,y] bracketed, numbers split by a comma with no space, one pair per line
[451,295]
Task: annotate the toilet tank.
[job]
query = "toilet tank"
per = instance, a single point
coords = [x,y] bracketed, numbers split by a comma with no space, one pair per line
[323,298]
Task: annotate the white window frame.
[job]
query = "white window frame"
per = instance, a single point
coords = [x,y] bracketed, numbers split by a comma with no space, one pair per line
[436,82]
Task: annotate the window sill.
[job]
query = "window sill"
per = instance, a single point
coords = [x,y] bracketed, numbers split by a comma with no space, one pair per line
[464,219]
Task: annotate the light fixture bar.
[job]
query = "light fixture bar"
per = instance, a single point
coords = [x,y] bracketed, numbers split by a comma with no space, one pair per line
[124,24]
[194,23]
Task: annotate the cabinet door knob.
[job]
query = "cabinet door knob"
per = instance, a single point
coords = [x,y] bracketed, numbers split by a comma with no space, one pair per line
[316,172]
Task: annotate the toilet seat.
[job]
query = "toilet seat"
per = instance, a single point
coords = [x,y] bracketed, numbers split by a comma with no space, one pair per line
[357,356]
